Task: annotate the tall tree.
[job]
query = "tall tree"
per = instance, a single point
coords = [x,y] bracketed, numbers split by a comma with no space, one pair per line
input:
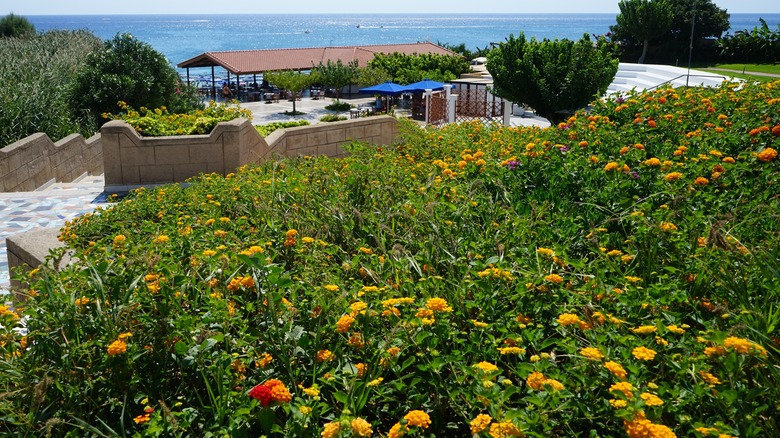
[645,20]
[554,77]
[710,21]
[337,74]
[292,81]
[15,26]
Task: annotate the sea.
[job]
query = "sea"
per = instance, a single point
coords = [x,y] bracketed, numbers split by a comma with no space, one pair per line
[181,37]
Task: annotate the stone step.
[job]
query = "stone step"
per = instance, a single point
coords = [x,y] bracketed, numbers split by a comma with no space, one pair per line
[84,182]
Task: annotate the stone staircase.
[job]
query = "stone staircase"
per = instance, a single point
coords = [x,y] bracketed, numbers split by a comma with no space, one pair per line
[649,76]
[49,206]
[84,182]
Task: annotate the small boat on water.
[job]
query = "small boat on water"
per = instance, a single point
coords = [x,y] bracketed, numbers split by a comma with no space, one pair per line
[358,26]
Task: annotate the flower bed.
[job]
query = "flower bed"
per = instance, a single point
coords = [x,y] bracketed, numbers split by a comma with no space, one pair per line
[615,275]
[160,123]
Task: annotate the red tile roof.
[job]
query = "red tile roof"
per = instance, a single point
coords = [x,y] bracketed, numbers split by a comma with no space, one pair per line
[243,62]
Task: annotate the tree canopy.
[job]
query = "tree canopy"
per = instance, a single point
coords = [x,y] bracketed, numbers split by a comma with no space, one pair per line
[293,81]
[645,20]
[711,22]
[337,74]
[405,69]
[554,77]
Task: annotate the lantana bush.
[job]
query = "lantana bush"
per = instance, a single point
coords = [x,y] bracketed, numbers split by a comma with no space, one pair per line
[615,275]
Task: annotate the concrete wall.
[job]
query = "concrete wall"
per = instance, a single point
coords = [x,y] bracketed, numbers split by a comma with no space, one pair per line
[131,161]
[33,161]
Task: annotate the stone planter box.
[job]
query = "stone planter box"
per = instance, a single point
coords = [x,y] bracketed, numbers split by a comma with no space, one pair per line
[131,161]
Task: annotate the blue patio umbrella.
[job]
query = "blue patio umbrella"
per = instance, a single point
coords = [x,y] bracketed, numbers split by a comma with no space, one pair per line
[386,89]
[425,84]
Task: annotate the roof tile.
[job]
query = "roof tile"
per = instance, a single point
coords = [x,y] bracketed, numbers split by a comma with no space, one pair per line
[243,62]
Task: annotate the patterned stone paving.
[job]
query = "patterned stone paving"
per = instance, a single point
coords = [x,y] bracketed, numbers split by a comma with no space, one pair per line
[24,211]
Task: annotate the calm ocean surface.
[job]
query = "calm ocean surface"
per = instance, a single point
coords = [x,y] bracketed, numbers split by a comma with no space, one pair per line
[181,37]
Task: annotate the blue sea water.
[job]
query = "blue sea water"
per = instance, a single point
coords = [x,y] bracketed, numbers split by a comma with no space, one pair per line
[181,37]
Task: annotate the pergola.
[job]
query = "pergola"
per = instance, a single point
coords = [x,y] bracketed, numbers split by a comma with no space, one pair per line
[252,62]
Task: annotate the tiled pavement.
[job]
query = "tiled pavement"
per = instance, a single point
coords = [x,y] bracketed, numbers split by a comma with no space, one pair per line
[50,207]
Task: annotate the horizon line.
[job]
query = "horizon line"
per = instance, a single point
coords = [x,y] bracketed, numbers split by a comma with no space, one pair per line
[353,13]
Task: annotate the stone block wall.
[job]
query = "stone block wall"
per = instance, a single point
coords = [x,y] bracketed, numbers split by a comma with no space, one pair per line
[328,138]
[33,161]
[131,161]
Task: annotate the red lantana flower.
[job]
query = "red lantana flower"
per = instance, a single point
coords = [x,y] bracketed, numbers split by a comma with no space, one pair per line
[262,394]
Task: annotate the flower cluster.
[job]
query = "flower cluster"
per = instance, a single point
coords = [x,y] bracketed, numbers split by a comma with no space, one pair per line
[270,391]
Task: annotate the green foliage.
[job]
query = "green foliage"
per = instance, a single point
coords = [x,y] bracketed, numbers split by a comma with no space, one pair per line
[291,81]
[711,21]
[36,73]
[15,26]
[332,118]
[645,20]
[268,128]
[338,106]
[469,270]
[131,71]
[553,77]
[758,45]
[367,76]
[406,69]
[160,122]
[466,53]
[337,74]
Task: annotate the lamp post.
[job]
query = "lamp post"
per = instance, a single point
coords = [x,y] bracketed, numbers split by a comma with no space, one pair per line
[690,48]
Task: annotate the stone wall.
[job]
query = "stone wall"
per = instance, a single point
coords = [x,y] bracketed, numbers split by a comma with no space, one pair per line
[328,138]
[131,161]
[34,161]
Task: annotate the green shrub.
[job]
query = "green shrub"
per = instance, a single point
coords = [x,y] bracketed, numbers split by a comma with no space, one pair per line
[36,73]
[554,77]
[756,46]
[15,26]
[130,71]
[267,129]
[332,118]
[338,106]
[160,122]
[613,274]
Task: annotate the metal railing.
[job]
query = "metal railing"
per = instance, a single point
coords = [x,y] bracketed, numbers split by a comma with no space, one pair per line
[687,76]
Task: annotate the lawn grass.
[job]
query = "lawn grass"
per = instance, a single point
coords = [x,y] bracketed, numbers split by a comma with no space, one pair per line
[735,70]
[761,68]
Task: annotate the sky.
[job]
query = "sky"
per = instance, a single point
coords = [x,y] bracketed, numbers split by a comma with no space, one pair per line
[86,7]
